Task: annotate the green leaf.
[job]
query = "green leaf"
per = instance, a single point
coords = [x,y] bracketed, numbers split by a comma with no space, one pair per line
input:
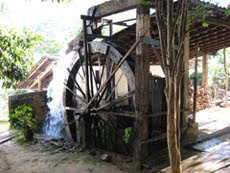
[205,24]
[127,133]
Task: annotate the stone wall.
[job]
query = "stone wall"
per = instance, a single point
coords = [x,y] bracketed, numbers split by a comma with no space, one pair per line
[37,100]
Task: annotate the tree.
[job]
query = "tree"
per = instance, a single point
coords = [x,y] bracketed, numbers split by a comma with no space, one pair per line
[171,21]
[15,55]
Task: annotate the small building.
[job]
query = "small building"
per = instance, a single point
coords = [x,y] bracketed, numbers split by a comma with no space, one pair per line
[40,75]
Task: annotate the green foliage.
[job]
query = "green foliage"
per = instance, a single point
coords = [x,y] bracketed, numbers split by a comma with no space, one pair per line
[127,133]
[3,7]
[198,13]
[22,117]
[20,138]
[15,55]
[227,11]
[145,2]
[49,47]
[216,66]
[199,77]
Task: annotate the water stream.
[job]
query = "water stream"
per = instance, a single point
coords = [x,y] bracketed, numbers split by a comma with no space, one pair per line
[54,123]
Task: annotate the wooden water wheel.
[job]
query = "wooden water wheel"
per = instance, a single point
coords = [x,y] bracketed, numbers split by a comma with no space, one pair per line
[107,98]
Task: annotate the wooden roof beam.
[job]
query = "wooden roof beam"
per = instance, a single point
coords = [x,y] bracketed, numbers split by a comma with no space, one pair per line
[112,7]
[218,21]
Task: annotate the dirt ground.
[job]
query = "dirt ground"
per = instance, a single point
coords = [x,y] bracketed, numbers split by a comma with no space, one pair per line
[213,155]
[17,159]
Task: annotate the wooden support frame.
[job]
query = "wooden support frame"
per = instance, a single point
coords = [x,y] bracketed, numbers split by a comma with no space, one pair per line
[219,22]
[205,70]
[85,125]
[195,88]
[112,7]
[142,85]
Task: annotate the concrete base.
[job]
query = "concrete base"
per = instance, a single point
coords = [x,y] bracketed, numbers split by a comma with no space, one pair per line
[191,133]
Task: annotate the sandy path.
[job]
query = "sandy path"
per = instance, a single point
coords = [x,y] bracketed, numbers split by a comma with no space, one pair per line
[17,159]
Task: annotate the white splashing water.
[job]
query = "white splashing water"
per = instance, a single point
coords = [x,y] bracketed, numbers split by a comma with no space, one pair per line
[54,123]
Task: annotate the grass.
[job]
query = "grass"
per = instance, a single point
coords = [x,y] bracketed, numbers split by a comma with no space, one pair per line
[21,140]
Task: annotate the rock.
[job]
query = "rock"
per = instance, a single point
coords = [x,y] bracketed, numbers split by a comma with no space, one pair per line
[90,169]
[106,157]
[81,150]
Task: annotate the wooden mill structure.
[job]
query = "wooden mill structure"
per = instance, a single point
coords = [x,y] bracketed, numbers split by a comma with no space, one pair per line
[109,88]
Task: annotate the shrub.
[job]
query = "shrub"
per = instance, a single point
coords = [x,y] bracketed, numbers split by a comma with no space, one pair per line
[22,118]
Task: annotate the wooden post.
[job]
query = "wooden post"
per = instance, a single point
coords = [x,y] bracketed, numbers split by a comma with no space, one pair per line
[205,70]
[216,91]
[195,89]
[142,85]
[86,131]
[226,79]
[39,83]
[184,119]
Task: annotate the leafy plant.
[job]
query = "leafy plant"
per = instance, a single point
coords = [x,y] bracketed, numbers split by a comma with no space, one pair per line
[145,2]
[127,133]
[227,11]
[15,55]
[49,47]
[22,117]
[198,13]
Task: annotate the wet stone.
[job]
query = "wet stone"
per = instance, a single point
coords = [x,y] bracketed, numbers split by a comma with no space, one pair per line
[55,145]
[106,157]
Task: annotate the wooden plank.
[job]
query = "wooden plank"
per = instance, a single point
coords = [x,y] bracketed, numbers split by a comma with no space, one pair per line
[155,139]
[154,42]
[7,138]
[111,7]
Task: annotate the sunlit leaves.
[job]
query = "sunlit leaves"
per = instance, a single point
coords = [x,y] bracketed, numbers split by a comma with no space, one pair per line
[15,55]
[227,11]
[198,13]
[22,117]
[205,24]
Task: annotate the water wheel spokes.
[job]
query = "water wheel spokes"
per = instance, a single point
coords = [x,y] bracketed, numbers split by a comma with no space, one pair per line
[111,87]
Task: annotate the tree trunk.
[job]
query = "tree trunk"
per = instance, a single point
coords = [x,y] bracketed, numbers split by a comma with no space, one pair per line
[171,22]
[173,133]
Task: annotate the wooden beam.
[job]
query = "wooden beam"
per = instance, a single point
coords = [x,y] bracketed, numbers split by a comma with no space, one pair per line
[218,21]
[205,70]
[112,7]
[141,85]
[42,75]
